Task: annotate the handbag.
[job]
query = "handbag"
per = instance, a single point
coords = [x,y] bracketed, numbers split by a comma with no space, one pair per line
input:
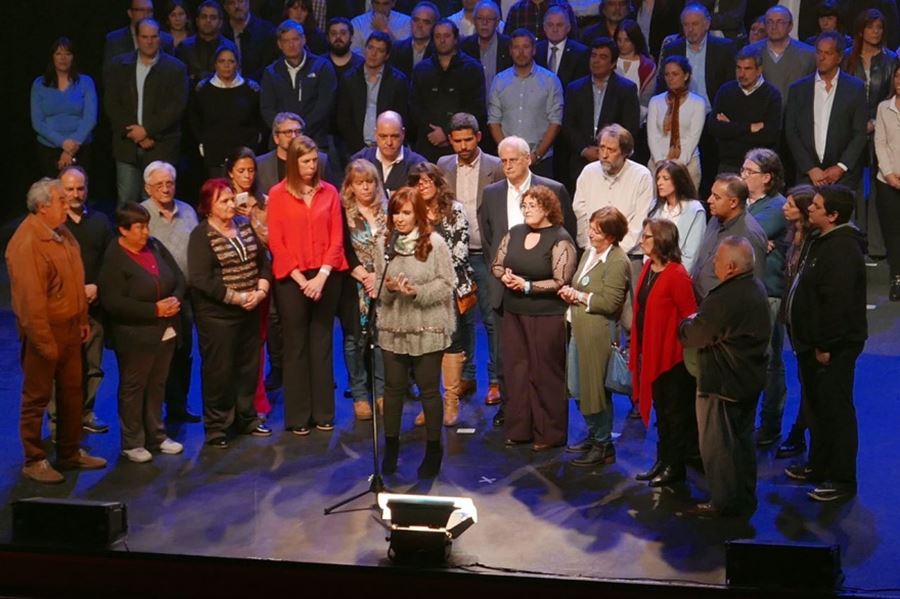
[618,375]
[468,301]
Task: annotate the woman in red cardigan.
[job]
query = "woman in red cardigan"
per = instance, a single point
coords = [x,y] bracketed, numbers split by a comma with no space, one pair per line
[306,239]
[664,297]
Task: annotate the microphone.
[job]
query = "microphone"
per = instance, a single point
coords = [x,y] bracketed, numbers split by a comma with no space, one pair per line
[389,250]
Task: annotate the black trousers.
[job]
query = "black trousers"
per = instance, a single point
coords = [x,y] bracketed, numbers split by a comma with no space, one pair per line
[888,205]
[178,385]
[308,371]
[229,354]
[426,371]
[47,158]
[830,414]
[142,385]
[674,393]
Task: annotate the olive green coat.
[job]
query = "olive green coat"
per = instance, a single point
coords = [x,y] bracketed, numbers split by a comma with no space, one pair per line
[608,282]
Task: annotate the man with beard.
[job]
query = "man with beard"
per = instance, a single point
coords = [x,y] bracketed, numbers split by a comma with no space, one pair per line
[339,33]
[442,85]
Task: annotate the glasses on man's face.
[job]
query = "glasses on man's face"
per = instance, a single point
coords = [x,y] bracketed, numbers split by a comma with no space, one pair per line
[163,185]
[746,172]
[291,132]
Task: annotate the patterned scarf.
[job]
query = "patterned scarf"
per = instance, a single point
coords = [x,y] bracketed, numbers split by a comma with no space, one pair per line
[671,125]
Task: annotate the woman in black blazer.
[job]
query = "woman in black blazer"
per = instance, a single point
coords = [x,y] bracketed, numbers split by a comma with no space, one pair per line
[142,292]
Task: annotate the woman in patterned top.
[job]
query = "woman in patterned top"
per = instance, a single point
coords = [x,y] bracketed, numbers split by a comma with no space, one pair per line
[229,276]
[448,217]
[365,212]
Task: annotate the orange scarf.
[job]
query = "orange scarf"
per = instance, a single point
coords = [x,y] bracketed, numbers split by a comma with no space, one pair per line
[671,125]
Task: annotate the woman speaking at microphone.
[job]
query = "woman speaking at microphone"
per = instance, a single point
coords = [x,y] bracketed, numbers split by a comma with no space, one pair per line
[415,320]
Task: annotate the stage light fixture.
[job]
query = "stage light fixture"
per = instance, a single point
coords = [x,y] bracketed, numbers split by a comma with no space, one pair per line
[422,527]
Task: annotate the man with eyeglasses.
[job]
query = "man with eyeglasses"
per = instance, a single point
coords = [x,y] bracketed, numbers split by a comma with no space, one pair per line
[171,223]
[465,18]
[407,53]
[124,40]
[488,46]
[746,113]
[784,59]
[382,17]
[529,14]
[270,166]
[198,51]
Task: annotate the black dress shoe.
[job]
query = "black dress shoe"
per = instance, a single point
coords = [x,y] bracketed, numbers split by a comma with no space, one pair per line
[701,510]
[791,447]
[598,455]
[655,469]
[668,476]
[182,415]
[498,417]
[513,442]
[583,447]
[218,443]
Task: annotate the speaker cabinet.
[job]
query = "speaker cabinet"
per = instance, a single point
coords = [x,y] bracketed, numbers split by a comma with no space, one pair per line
[783,566]
[68,522]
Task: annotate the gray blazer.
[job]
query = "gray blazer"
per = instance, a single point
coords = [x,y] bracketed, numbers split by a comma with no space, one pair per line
[489,171]
[494,224]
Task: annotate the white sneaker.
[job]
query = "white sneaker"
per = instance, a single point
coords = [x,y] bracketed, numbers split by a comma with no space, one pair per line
[138,455]
[170,447]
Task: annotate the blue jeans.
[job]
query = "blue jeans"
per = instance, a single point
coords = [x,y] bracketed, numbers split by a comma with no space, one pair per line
[775,393]
[482,276]
[599,424]
[129,182]
[357,369]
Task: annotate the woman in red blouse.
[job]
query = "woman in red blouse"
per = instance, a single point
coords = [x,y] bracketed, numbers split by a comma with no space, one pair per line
[306,239]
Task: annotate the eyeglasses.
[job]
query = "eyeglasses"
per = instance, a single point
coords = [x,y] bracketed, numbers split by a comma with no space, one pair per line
[291,132]
[747,171]
[530,206]
[163,185]
[646,236]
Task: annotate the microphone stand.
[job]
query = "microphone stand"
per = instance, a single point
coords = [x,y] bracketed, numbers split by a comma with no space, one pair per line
[376,482]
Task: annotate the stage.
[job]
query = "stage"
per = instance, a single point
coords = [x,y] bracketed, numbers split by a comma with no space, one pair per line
[538,515]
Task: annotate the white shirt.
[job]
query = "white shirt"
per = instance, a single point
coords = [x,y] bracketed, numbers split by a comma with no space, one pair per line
[794,7]
[467,194]
[755,86]
[560,48]
[386,168]
[514,214]
[467,27]
[822,103]
[630,191]
[399,25]
[293,72]
[691,118]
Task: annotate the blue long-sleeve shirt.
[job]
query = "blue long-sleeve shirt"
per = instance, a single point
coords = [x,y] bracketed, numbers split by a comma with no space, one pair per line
[60,115]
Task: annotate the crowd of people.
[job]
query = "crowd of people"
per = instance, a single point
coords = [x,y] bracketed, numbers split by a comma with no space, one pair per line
[638,191]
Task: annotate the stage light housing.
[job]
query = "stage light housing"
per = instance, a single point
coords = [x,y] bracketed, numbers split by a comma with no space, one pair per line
[422,527]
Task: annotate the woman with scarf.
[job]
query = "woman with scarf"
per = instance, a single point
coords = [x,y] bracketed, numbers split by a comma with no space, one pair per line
[675,119]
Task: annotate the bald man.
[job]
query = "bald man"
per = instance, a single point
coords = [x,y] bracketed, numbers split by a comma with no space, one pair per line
[392,159]
[730,334]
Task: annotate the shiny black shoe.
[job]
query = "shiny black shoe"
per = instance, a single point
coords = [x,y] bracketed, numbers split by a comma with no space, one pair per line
[218,443]
[582,447]
[667,476]
[655,469]
[498,418]
[599,455]
[792,446]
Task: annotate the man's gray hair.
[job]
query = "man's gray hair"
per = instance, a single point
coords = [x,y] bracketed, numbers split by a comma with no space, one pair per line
[159,165]
[39,194]
[739,252]
[281,117]
[487,4]
[289,25]
[516,143]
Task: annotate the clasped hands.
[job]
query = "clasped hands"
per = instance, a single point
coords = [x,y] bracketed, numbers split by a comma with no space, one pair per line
[400,284]
[311,288]
[138,135]
[512,281]
[832,174]
[168,307]
[570,295]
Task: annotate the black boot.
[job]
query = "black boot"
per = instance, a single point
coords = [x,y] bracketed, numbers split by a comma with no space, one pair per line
[431,465]
[895,289]
[667,476]
[391,451]
[655,469]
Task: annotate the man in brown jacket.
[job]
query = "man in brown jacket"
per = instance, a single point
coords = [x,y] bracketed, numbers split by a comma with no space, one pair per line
[47,283]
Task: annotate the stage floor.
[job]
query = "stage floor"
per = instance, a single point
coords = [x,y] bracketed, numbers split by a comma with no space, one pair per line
[264,498]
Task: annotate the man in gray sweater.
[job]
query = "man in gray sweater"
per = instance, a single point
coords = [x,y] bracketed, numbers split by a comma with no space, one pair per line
[784,59]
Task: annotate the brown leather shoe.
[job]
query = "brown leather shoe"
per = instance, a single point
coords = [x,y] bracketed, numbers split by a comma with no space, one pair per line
[493,395]
[82,461]
[362,410]
[43,472]
[467,388]
[420,418]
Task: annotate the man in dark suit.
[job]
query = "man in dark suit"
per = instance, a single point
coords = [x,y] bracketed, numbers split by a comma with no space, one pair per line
[583,118]
[468,172]
[447,83]
[565,57]
[270,166]
[409,52]
[488,46]
[357,111]
[825,119]
[145,118]
[254,37]
[612,12]
[124,40]
[712,61]
[299,82]
[391,158]
[198,51]
[500,211]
